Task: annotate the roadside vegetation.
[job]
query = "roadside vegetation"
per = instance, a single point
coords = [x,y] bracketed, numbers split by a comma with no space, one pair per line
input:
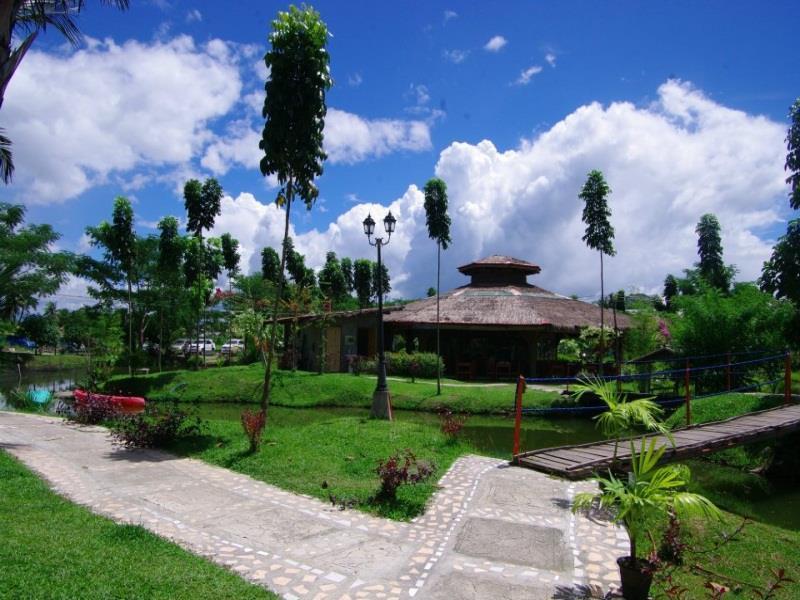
[55,549]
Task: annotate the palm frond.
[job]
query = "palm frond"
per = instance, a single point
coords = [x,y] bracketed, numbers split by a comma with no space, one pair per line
[6,158]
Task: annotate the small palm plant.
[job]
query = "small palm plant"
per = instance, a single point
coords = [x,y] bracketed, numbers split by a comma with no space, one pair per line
[623,415]
[649,494]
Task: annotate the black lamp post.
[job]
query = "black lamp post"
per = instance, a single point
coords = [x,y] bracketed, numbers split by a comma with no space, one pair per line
[381,399]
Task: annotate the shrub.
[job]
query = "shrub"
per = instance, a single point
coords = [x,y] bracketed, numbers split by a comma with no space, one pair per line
[253,423]
[93,410]
[154,427]
[399,469]
[451,424]
[418,364]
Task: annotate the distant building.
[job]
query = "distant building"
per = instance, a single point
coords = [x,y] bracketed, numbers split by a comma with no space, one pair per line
[496,326]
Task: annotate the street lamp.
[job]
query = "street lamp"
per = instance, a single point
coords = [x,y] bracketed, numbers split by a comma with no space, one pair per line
[381,399]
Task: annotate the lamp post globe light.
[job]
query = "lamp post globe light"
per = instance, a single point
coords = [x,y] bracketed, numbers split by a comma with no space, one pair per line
[381,399]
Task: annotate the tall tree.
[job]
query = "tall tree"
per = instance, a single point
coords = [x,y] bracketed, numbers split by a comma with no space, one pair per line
[347,272]
[29,269]
[599,233]
[381,283]
[21,21]
[170,260]
[438,222]
[294,112]
[230,260]
[709,248]
[781,273]
[670,290]
[203,205]
[270,264]
[362,281]
[793,155]
[331,278]
[118,240]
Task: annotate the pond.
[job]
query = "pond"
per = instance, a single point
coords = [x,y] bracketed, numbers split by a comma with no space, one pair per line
[490,435]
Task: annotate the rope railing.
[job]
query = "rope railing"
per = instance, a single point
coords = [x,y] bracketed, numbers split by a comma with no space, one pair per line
[729,377]
[697,357]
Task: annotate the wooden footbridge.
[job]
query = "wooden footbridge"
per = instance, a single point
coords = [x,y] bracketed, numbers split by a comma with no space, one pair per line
[577,462]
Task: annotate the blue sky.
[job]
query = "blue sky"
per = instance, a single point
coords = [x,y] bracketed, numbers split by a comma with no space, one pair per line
[563,87]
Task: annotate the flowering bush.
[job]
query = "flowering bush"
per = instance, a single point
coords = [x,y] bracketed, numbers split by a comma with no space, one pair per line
[93,410]
[451,424]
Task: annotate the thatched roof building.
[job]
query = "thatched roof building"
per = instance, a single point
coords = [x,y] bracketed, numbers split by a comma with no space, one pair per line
[499,297]
[496,326]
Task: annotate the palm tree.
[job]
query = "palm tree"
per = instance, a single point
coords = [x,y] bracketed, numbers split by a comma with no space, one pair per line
[438,229]
[623,415]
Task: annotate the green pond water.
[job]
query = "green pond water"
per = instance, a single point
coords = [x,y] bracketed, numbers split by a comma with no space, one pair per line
[490,435]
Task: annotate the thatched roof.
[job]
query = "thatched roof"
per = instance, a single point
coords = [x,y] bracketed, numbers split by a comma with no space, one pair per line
[508,307]
[496,262]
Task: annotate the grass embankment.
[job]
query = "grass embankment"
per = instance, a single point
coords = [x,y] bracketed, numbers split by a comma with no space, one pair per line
[54,549]
[301,389]
[42,362]
[330,458]
[744,564]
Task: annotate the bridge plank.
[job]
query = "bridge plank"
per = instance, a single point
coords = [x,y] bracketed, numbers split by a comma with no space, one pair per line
[582,460]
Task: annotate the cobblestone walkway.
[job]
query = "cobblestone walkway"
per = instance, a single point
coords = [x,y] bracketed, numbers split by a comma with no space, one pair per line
[491,531]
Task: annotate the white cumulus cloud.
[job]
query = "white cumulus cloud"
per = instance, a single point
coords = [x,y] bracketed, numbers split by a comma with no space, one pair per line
[76,118]
[667,163]
[495,44]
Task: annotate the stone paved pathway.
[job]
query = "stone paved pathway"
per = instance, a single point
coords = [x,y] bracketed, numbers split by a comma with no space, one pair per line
[491,531]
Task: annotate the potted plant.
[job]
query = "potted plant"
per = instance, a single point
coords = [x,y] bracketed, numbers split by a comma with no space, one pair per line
[647,495]
[622,415]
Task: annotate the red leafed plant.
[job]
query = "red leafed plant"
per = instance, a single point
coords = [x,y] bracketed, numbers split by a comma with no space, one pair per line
[451,424]
[399,469]
[253,422]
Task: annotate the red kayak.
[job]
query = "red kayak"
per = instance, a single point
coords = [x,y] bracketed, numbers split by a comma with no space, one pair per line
[126,404]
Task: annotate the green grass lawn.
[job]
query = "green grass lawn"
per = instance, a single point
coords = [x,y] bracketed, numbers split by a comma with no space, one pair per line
[335,456]
[303,390]
[52,548]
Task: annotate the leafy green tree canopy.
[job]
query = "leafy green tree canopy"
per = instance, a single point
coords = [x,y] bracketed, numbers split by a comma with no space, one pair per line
[202,203]
[29,269]
[599,234]
[170,248]
[431,292]
[437,219]
[270,264]
[781,273]
[362,281]
[294,107]
[380,280]
[793,156]
[331,278]
[709,248]
[230,254]
[347,272]
[670,290]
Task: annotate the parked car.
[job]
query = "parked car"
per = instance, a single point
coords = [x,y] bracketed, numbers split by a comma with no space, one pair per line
[234,346]
[200,346]
[178,345]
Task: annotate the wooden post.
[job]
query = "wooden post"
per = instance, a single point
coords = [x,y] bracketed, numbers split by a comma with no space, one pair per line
[728,372]
[787,380]
[518,414]
[688,394]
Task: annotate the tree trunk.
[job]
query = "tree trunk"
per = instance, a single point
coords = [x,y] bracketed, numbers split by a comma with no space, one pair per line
[276,303]
[438,348]
[130,330]
[602,318]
